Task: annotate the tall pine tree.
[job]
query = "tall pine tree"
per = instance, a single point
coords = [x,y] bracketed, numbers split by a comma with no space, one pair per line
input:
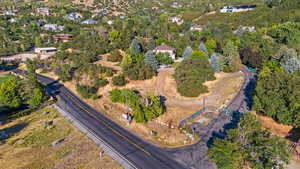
[203,48]
[187,52]
[150,60]
[215,62]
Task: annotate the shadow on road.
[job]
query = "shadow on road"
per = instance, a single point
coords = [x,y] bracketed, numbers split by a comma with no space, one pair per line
[221,134]
[249,91]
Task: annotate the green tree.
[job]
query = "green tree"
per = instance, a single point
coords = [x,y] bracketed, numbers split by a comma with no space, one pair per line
[37,97]
[191,74]
[136,47]
[115,36]
[215,62]
[164,59]
[115,56]
[10,93]
[139,115]
[126,61]
[199,54]
[277,94]
[139,71]
[150,59]
[249,145]
[289,59]
[34,90]
[187,52]
[203,48]
[211,46]
[232,60]
[38,42]
[119,80]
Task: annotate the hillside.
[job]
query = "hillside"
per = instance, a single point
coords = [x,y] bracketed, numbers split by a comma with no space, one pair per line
[30,144]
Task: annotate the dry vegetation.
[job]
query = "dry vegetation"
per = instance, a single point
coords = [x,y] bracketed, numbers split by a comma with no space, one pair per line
[30,147]
[282,131]
[221,90]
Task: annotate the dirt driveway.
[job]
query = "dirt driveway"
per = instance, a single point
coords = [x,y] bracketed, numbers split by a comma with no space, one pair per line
[221,90]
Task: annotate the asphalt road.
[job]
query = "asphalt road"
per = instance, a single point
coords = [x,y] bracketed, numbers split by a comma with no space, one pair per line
[195,156]
[140,152]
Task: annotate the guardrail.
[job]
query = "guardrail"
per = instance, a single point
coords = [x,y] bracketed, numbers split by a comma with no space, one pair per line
[91,134]
[62,107]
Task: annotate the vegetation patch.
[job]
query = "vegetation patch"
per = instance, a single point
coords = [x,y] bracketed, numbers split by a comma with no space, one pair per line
[143,108]
[190,76]
[31,147]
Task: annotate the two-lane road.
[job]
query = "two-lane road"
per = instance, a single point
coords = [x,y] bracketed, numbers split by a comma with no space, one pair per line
[139,152]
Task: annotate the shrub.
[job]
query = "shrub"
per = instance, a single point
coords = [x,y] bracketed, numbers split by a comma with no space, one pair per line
[144,108]
[99,82]
[139,71]
[119,80]
[164,59]
[190,76]
[115,56]
[87,92]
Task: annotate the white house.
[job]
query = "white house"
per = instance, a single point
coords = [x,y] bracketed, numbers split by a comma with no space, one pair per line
[45,11]
[52,27]
[176,5]
[89,22]
[45,50]
[176,19]
[110,22]
[197,28]
[12,20]
[166,49]
[242,29]
[74,16]
[228,9]
[10,12]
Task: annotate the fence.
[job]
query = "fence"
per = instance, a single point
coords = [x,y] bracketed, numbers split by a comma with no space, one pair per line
[198,113]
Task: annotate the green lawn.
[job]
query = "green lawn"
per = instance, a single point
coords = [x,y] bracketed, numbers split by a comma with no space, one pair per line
[5,77]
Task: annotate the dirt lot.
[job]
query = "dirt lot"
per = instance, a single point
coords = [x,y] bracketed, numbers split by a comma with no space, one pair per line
[29,145]
[274,127]
[221,90]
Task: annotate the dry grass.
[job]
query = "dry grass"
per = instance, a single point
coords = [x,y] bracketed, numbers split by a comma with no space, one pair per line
[221,91]
[273,126]
[31,147]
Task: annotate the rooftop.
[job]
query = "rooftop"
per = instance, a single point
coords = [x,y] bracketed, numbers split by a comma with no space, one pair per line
[164,47]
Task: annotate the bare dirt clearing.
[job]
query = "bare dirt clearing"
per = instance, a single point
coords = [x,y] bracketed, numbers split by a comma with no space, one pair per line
[222,90]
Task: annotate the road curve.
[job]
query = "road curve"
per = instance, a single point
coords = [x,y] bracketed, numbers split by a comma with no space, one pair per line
[138,151]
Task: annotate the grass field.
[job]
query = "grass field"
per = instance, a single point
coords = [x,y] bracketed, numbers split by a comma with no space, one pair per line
[29,145]
[5,77]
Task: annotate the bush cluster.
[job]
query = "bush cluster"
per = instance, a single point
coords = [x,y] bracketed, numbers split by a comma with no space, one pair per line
[190,76]
[87,92]
[144,108]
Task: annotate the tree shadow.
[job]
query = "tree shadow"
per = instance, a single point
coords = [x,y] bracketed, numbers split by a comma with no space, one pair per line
[294,135]
[10,131]
[163,100]
[249,91]
[7,111]
[235,118]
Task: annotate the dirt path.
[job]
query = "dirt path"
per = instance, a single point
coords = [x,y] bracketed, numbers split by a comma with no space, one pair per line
[210,98]
[25,56]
